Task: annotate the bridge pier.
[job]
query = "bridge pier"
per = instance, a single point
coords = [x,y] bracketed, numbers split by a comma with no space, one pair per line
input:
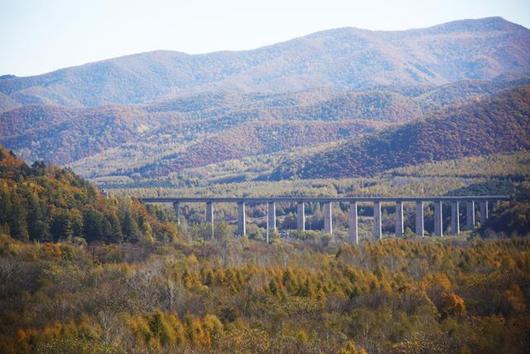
[353,223]
[470,215]
[300,216]
[353,231]
[484,212]
[271,219]
[377,228]
[328,217]
[176,206]
[241,219]
[210,218]
[420,227]
[438,218]
[455,217]
[400,230]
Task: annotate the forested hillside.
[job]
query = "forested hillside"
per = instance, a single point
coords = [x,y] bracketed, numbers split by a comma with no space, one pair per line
[170,141]
[73,135]
[497,124]
[253,139]
[45,203]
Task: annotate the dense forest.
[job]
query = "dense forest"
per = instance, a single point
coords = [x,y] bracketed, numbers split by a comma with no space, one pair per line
[85,273]
[396,296]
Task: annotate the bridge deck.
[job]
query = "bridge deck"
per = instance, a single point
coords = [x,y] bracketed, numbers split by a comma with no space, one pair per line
[319,199]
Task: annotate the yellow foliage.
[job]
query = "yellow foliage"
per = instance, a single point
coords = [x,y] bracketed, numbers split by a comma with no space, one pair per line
[351,348]
[452,304]
[514,299]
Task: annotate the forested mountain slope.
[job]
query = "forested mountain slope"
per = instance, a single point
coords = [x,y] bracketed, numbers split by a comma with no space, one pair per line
[64,135]
[497,124]
[253,139]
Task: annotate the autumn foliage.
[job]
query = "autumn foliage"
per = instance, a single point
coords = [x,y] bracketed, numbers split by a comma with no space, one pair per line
[396,296]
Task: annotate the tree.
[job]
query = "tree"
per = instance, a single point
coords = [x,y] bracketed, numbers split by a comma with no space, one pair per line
[38,227]
[131,231]
[452,305]
[92,225]
[112,228]
[16,218]
[61,226]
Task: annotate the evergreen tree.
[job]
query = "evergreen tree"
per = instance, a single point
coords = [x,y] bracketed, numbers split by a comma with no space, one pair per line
[131,231]
[92,225]
[61,227]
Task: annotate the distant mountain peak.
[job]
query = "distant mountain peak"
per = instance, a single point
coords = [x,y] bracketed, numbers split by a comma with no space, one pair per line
[495,23]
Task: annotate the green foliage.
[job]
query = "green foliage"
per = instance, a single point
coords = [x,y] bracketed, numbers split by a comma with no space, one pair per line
[42,203]
[511,218]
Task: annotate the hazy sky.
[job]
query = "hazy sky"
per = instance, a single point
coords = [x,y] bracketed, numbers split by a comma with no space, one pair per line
[38,36]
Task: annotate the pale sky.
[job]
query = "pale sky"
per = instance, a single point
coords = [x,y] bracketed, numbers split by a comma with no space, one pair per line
[38,36]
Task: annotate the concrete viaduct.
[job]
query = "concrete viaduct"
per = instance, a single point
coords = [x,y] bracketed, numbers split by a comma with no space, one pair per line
[438,201]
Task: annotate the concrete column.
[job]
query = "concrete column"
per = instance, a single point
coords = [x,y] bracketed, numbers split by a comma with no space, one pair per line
[484,212]
[438,219]
[300,216]
[377,229]
[241,219]
[271,219]
[176,206]
[353,227]
[328,217]
[419,218]
[400,230]
[455,217]
[470,215]
[209,217]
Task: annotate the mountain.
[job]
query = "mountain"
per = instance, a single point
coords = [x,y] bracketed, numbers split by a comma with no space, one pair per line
[345,58]
[7,103]
[142,134]
[500,123]
[154,114]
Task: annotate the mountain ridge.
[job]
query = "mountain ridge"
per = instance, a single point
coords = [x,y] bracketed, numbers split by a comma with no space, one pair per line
[433,28]
[500,123]
[66,134]
[343,58]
